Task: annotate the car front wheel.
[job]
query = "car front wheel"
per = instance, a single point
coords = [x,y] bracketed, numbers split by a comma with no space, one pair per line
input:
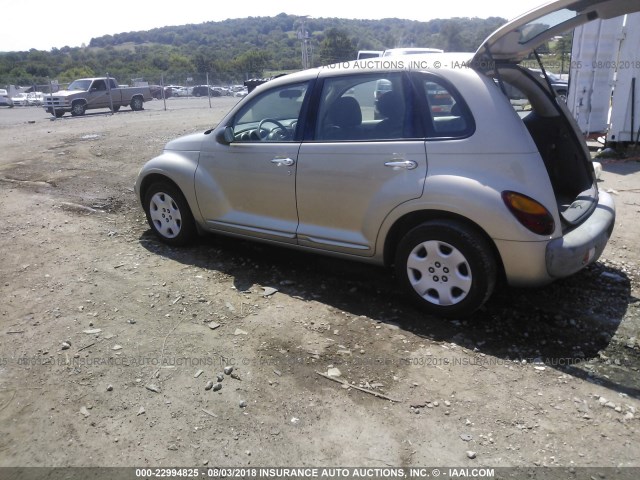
[447,268]
[168,214]
[78,109]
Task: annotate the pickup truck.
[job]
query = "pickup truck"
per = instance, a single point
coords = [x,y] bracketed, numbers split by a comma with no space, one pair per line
[90,93]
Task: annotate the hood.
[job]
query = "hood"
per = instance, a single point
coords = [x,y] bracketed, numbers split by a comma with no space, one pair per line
[515,40]
[63,93]
[187,143]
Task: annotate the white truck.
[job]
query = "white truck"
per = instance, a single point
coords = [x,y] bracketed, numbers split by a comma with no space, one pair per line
[91,93]
[605,78]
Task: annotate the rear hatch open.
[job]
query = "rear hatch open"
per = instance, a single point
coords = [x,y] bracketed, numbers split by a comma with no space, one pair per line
[546,117]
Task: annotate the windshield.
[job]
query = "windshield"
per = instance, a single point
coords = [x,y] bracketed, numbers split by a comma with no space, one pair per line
[80,85]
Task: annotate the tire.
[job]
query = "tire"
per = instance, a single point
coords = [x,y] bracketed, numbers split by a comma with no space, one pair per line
[447,268]
[136,104]
[169,215]
[59,113]
[78,109]
[116,108]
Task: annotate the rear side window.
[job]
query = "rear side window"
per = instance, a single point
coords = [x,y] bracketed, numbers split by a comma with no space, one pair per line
[446,115]
[365,107]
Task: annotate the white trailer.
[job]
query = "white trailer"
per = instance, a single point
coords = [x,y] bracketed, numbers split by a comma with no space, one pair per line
[604,92]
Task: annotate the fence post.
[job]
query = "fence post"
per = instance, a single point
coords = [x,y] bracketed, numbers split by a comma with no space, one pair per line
[164,97]
[53,110]
[109,93]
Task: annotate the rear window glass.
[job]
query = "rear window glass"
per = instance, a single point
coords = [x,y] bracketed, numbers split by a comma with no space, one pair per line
[448,115]
[541,25]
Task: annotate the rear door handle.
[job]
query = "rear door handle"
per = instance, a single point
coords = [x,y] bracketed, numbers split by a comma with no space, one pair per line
[283,161]
[408,164]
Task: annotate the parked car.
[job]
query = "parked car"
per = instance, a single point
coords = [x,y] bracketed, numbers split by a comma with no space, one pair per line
[560,85]
[20,100]
[156,91]
[35,98]
[301,162]
[409,51]
[204,91]
[181,91]
[170,90]
[5,99]
[364,54]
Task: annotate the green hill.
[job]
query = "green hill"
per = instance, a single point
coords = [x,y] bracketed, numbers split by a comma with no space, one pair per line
[236,49]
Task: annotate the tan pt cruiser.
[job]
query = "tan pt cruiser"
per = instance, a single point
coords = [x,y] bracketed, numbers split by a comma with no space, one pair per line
[463,169]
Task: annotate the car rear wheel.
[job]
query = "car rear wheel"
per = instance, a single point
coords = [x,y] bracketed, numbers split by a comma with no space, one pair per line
[447,268]
[136,103]
[169,215]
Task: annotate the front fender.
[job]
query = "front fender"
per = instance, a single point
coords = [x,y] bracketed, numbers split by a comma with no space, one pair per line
[177,167]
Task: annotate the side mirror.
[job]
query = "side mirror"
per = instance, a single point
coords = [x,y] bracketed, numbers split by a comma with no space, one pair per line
[226,135]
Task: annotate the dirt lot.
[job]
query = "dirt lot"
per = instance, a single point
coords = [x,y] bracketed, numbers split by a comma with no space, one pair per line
[104,332]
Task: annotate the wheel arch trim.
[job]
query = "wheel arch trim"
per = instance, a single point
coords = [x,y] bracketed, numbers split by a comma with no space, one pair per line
[182,178]
[402,225]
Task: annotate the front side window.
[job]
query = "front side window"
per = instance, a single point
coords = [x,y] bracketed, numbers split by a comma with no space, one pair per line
[271,117]
[372,106]
[99,85]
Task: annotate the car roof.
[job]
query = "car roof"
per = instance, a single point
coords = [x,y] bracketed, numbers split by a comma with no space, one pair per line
[434,62]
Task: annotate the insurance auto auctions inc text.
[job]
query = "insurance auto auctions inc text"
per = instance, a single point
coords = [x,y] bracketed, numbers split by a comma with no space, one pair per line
[369,473]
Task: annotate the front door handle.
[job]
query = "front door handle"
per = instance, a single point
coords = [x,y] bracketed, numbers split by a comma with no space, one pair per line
[408,164]
[283,161]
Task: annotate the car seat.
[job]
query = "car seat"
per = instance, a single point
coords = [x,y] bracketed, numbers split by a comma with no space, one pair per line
[343,120]
[391,106]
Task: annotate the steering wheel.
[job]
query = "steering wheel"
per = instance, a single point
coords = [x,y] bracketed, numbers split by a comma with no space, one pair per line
[284,134]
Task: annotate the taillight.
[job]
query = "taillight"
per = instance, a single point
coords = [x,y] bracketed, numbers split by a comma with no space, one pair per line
[531,214]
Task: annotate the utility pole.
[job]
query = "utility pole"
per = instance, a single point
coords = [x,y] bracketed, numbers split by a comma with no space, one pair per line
[303,36]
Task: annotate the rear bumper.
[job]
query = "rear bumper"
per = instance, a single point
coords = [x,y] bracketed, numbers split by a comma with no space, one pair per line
[583,245]
[532,264]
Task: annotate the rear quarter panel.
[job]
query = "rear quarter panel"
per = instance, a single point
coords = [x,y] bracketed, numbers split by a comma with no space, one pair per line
[467,176]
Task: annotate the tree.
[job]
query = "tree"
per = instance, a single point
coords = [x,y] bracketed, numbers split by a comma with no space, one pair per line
[76,72]
[337,47]
[180,63]
[253,63]
[562,48]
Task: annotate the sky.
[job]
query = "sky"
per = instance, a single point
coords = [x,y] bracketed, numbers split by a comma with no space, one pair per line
[44,25]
